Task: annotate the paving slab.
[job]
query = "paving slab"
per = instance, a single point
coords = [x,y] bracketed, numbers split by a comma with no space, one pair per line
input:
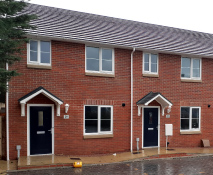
[51,161]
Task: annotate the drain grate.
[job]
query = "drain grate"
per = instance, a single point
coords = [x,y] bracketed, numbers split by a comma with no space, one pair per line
[75,158]
[136,152]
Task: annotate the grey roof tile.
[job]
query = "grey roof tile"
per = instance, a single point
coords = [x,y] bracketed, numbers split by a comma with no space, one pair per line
[85,27]
[36,90]
[148,97]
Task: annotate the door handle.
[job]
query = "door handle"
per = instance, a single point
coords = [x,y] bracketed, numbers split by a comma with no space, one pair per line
[50,130]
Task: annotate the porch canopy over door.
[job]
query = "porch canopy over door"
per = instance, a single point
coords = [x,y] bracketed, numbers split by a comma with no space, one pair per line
[150,97]
[34,93]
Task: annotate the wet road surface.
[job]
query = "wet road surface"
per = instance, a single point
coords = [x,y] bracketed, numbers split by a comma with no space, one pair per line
[177,166]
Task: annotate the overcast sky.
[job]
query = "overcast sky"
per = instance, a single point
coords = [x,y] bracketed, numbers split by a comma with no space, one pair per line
[194,15]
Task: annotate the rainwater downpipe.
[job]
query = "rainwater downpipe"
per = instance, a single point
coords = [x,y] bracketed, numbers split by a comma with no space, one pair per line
[132,98]
[7,116]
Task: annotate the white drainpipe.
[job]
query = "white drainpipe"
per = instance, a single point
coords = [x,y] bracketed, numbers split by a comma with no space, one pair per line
[7,117]
[132,97]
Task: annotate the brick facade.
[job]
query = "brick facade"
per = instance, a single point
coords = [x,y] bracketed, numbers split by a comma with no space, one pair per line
[67,80]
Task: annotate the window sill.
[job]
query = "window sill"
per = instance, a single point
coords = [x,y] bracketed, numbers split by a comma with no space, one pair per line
[150,75]
[99,74]
[189,132]
[191,80]
[36,66]
[98,136]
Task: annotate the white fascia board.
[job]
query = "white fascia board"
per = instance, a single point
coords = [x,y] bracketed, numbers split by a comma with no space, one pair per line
[147,103]
[169,104]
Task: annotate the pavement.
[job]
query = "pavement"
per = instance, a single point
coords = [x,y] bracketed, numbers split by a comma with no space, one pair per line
[52,161]
[201,165]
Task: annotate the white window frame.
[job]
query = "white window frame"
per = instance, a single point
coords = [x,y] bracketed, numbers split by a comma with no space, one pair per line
[99,120]
[38,62]
[190,118]
[149,72]
[100,60]
[191,69]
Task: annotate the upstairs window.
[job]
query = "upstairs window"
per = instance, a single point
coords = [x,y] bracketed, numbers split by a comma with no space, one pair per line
[99,60]
[150,63]
[190,119]
[190,68]
[39,52]
[98,120]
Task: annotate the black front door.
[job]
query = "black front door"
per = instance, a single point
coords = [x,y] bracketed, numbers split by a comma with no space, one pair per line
[40,130]
[150,129]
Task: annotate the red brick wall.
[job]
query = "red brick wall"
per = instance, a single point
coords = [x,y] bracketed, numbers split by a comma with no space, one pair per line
[67,80]
[180,94]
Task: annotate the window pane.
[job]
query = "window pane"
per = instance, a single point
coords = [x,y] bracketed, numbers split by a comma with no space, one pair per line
[196,64]
[91,126]
[196,72]
[33,56]
[107,54]
[105,125]
[45,46]
[184,124]
[196,68]
[92,52]
[45,57]
[153,58]
[185,72]
[146,66]
[185,62]
[91,112]
[195,112]
[146,58]
[146,62]
[195,123]
[93,64]
[40,118]
[34,45]
[153,67]
[184,112]
[105,113]
[106,65]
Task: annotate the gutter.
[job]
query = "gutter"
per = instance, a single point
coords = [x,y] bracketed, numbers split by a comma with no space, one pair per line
[7,117]
[131,139]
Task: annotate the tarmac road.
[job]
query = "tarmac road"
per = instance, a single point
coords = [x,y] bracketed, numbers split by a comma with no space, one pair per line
[177,166]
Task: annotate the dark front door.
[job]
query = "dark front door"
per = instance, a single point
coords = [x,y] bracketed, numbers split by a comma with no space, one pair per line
[150,129]
[40,130]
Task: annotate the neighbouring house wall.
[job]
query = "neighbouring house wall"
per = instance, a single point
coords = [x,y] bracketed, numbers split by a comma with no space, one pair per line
[67,80]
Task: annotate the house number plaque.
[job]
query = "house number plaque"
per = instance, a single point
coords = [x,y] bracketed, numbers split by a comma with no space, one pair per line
[66,116]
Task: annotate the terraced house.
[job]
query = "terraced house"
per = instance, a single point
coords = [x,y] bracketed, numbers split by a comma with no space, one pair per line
[93,84]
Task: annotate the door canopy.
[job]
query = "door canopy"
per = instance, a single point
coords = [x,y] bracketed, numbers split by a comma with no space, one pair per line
[150,97]
[34,93]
